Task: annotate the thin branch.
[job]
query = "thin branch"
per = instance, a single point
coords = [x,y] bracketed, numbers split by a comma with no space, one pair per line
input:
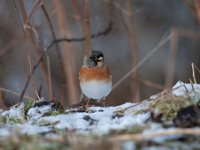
[86,28]
[160,44]
[14,93]
[198,70]
[150,83]
[67,54]
[33,10]
[193,74]
[132,39]
[197,7]
[81,39]
[172,59]
[147,136]
[49,78]
[2,105]
[60,59]
[5,51]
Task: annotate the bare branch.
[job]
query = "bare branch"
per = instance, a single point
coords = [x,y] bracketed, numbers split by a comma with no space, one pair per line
[104,32]
[60,59]
[146,136]
[172,59]
[160,44]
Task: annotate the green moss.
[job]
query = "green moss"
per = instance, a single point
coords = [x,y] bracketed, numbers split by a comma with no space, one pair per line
[28,105]
[169,105]
[12,120]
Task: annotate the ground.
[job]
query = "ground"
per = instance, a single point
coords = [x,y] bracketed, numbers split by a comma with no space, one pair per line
[168,120]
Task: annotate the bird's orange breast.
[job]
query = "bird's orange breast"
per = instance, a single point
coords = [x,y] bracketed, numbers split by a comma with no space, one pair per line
[101,74]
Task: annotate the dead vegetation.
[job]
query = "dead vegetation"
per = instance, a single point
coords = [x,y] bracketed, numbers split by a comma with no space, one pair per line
[181,113]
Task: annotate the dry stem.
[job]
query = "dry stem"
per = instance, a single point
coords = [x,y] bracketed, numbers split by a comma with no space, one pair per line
[147,136]
[172,59]
[193,74]
[159,45]
[49,78]
[69,72]
[60,59]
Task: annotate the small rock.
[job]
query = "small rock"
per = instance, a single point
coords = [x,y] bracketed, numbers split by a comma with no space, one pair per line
[187,117]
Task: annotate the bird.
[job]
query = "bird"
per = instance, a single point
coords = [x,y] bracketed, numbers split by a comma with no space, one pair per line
[95,77]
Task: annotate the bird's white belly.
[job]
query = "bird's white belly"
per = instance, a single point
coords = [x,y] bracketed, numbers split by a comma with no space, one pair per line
[96,90]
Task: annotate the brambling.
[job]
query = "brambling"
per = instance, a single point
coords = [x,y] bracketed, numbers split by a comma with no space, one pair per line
[95,77]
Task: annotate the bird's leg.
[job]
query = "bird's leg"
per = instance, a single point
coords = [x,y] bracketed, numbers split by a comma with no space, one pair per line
[81,97]
[88,101]
[104,101]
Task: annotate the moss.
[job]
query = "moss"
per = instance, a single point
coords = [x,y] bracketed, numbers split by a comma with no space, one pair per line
[28,105]
[12,120]
[169,105]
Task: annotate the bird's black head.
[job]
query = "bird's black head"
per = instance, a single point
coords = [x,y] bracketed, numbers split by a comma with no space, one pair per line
[96,59]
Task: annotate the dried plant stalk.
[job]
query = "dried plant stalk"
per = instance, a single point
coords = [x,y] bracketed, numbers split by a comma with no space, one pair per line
[60,59]
[139,64]
[72,88]
[31,39]
[197,8]
[14,93]
[193,74]
[141,136]
[132,39]
[1,100]
[86,27]
[172,59]
[49,78]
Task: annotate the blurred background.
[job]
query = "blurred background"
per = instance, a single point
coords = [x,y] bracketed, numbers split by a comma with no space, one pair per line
[154,41]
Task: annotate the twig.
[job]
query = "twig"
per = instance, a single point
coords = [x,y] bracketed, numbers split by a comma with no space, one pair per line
[198,70]
[150,84]
[147,136]
[86,28]
[160,44]
[132,39]
[197,7]
[193,74]
[33,10]
[81,39]
[14,93]
[19,18]
[29,36]
[9,48]
[2,105]
[49,78]
[69,71]
[172,59]
[60,59]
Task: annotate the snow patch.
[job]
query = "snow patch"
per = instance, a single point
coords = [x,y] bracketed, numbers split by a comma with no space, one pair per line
[100,122]
[184,89]
[16,112]
[38,112]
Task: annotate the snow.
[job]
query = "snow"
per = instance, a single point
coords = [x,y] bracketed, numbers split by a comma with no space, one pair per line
[129,145]
[157,128]
[31,129]
[97,120]
[187,90]
[100,122]
[38,112]
[16,112]
[183,89]
[4,132]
